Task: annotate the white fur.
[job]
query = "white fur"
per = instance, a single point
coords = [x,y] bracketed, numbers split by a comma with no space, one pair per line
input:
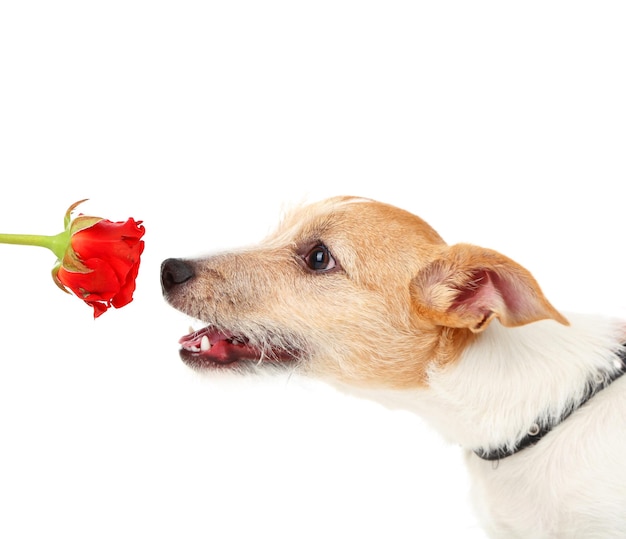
[572,484]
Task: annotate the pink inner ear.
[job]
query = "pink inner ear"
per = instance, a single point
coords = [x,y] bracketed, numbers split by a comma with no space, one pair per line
[487,293]
[470,286]
[479,295]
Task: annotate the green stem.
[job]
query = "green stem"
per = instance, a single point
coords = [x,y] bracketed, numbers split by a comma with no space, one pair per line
[57,244]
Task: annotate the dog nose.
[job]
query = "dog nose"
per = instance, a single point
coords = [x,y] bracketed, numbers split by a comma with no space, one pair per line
[175,271]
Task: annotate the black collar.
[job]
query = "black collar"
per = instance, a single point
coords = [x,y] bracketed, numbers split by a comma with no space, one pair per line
[540,429]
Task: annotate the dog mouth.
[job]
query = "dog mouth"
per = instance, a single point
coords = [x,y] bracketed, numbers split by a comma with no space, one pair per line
[211,347]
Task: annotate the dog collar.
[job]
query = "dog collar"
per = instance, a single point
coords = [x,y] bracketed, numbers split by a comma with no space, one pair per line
[539,429]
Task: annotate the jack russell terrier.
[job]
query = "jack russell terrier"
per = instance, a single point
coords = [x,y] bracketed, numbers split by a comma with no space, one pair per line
[370,298]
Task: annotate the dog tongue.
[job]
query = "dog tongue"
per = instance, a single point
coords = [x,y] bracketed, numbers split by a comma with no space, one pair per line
[218,346]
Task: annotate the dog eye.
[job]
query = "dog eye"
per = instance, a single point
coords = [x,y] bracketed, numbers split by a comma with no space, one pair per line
[320,259]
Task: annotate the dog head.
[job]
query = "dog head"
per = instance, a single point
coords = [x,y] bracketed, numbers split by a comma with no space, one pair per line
[349,289]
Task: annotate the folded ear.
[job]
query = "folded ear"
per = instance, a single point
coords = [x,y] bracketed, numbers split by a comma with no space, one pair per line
[468,286]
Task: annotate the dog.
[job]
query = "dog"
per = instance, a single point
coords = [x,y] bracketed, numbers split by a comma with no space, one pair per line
[369,298]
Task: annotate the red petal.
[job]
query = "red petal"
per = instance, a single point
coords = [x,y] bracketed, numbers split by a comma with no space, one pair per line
[98,308]
[118,243]
[96,288]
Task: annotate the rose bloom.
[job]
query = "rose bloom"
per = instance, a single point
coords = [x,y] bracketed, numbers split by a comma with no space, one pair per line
[101,263]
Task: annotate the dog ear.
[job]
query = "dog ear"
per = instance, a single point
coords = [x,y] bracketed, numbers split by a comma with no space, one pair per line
[469,286]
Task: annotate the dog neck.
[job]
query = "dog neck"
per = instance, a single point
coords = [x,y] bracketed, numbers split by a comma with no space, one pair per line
[511,381]
[601,380]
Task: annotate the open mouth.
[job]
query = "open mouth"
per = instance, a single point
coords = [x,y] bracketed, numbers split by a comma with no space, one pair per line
[210,347]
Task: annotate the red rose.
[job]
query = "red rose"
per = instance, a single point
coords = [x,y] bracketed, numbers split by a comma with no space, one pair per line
[102,261]
[97,259]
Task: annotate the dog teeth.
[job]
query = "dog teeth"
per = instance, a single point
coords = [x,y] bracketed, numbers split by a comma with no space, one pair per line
[205,344]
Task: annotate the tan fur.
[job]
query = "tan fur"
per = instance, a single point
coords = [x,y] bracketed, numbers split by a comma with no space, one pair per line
[401,302]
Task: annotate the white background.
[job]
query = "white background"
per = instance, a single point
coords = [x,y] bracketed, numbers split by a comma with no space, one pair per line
[500,123]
